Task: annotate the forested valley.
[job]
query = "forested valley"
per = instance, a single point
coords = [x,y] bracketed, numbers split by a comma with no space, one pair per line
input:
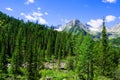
[31,51]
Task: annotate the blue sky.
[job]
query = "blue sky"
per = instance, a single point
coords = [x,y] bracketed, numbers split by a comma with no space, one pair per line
[55,12]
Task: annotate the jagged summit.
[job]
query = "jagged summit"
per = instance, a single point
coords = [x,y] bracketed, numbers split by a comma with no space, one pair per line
[116,28]
[75,27]
[73,22]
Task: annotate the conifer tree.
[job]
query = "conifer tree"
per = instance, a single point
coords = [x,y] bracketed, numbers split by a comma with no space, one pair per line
[104,47]
[15,62]
[3,53]
[3,63]
[87,56]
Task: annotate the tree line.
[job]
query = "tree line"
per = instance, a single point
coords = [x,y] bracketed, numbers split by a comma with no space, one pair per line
[25,46]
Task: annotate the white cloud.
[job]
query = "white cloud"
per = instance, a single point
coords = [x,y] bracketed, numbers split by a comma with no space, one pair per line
[109,1]
[38,8]
[29,1]
[60,28]
[95,24]
[119,17]
[22,13]
[110,18]
[42,21]
[31,18]
[9,9]
[46,13]
[35,16]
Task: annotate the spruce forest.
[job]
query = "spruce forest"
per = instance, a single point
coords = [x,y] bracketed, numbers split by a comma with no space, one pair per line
[31,51]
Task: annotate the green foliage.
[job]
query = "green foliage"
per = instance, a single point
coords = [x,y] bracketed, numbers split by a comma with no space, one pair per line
[26,47]
[115,42]
[57,75]
[70,64]
[85,58]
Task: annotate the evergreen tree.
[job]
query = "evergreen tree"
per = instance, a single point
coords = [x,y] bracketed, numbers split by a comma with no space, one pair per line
[3,55]
[3,63]
[104,48]
[87,56]
[15,62]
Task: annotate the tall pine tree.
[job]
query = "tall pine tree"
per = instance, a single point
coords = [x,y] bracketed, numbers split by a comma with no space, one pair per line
[104,47]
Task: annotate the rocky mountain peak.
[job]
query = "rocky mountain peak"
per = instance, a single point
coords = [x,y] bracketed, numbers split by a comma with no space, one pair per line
[75,26]
[73,22]
[116,28]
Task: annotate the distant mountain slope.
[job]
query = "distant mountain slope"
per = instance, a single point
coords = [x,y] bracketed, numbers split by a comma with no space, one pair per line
[115,31]
[116,42]
[75,27]
[116,28]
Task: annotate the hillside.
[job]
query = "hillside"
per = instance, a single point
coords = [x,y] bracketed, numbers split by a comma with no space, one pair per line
[76,27]
[116,42]
[31,51]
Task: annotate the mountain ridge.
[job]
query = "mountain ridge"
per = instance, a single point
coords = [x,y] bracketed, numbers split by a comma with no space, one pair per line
[75,27]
